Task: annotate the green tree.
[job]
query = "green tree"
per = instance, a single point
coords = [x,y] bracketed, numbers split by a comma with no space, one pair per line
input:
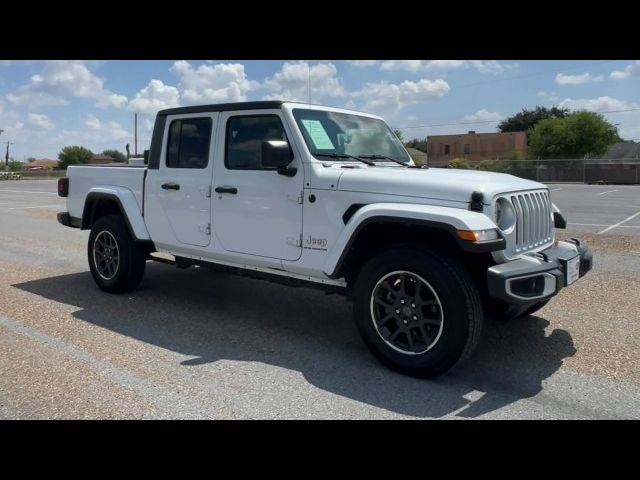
[398,134]
[417,144]
[74,155]
[15,166]
[116,155]
[525,120]
[574,136]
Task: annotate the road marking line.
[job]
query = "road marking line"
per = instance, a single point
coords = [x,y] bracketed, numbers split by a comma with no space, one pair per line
[36,206]
[602,225]
[619,223]
[26,191]
[555,189]
[609,191]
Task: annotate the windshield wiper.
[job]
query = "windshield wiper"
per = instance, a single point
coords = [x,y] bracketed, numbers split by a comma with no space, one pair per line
[384,157]
[344,155]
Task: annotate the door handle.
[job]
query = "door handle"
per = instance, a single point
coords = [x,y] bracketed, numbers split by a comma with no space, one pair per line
[232,190]
[171,186]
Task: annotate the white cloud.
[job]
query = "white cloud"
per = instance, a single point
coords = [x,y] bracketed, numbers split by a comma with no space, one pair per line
[549,97]
[154,97]
[363,63]
[483,116]
[41,121]
[600,104]
[61,80]
[206,83]
[483,66]
[292,82]
[421,65]
[387,99]
[628,121]
[562,79]
[110,131]
[211,83]
[630,70]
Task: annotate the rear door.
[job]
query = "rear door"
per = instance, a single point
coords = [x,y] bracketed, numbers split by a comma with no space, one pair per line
[178,208]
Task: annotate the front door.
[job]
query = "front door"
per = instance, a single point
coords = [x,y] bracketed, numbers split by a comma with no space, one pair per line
[178,209]
[256,210]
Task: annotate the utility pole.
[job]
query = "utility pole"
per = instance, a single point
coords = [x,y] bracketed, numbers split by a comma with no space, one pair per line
[135,142]
[6,157]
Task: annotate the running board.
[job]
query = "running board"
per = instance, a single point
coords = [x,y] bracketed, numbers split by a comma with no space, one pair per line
[169,259]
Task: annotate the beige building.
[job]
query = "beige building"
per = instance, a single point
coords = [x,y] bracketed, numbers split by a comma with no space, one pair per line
[40,164]
[476,147]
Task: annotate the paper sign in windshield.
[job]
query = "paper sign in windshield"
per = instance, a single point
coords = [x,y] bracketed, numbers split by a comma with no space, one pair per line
[318,134]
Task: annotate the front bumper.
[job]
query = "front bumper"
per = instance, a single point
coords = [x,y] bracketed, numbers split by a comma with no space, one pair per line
[535,278]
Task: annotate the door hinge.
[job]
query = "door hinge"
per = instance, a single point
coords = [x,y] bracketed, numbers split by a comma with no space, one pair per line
[295,241]
[206,191]
[296,198]
[206,229]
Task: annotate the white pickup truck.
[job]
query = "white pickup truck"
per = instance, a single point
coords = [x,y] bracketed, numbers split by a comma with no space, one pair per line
[329,198]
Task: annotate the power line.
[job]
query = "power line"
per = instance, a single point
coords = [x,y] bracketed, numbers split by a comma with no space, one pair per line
[495,121]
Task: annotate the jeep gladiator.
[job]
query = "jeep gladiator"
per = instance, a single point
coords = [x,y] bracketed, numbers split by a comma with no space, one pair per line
[329,198]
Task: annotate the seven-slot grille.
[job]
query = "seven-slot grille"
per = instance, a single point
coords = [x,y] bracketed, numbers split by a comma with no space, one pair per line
[534,226]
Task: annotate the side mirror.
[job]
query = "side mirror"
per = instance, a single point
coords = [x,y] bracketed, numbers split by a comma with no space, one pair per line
[146,157]
[276,153]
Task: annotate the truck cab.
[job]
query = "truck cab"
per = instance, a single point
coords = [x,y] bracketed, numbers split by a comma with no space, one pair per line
[329,198]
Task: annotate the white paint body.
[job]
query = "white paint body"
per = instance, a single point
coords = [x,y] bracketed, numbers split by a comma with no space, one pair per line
[271,225]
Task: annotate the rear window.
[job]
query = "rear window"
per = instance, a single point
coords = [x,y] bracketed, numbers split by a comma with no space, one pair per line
[188,143]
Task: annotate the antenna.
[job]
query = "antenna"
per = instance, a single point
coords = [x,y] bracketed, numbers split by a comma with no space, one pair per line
[135,142]
[309,67]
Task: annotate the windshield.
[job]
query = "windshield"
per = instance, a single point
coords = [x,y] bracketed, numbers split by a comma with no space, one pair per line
[347,134]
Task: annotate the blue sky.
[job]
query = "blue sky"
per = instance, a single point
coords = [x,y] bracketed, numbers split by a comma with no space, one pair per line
[46,105]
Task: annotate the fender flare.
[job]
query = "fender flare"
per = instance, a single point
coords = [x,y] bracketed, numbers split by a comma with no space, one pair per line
[126,201]
[447,219]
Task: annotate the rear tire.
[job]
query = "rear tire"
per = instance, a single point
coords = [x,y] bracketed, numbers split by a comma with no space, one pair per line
[418,310]
[116,260]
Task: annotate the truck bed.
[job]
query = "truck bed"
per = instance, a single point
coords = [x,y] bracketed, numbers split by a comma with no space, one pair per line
[86,177]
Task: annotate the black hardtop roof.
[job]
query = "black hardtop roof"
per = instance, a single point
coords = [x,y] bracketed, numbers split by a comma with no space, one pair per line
[223,107]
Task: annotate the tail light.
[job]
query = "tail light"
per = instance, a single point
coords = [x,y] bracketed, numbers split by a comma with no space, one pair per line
[63,186]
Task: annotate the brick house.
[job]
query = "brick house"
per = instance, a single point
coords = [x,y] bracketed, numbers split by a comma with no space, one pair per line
[476,147]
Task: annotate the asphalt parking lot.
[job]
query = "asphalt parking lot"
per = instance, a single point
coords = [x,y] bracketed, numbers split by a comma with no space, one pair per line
[600,209]
[194,344]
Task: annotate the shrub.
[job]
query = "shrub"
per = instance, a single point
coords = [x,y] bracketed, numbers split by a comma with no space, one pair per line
[500,166]
[459,163]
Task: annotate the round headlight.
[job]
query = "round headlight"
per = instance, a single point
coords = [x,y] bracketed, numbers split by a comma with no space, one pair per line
[505,214]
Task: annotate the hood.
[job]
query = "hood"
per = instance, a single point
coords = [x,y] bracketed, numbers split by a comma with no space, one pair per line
[437,183]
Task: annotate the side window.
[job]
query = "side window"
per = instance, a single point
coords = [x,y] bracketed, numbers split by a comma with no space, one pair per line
[244,140]
[188,143]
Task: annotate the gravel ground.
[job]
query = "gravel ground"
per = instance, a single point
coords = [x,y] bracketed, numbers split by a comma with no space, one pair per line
[192,344]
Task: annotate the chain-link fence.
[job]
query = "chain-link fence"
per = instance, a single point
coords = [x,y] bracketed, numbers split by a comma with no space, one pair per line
[592,170]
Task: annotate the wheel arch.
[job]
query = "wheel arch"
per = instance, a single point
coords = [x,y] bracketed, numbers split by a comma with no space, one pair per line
[373,228]
[100,203]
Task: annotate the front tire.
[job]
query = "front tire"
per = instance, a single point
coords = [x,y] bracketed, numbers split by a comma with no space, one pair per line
[418,310]
[117,262]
